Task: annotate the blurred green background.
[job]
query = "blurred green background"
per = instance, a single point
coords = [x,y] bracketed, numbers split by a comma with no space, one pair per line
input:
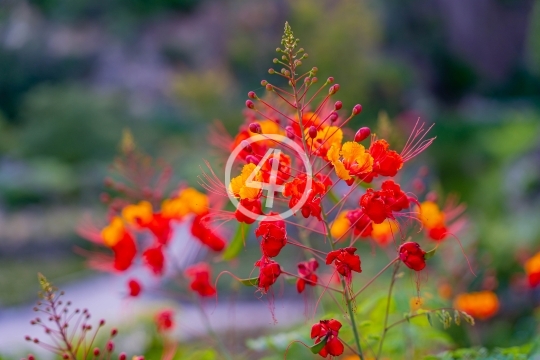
[74,73]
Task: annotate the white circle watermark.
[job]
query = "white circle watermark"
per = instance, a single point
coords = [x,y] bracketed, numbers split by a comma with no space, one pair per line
[271,187]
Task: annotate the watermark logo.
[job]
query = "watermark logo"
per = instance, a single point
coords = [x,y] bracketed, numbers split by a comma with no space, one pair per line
[270,188]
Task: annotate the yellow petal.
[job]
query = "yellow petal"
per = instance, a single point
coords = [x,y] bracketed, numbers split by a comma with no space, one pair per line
[352,151]
[430,215]
[138,214]
[113,232]
[238,185]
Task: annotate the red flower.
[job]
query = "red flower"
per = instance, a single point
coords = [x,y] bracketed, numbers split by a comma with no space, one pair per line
[125,251]
[362,223]
[200,275]
[251,205]
[345,260]
[412,255]
[164,320]
[160,226]
[283,169]
[296,189]
[438,233]
[328,330]
[274,237]
[269,271]
[153,257]
[379,205]
[306,271]
[202,231]
[134,288]
[385,162]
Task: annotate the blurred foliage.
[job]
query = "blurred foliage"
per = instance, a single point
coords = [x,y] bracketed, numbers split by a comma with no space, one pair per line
[70,123]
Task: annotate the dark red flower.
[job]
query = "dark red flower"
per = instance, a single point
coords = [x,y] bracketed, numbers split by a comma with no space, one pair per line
[306,272]
[269,270]
[362,223]
[296,189]
[134,288]
[251,205]
[164,320]
[125,251]
[385,162]
[412,255]
[379,205]
[154,259]
[345,260]
[200,276]
[274,236]
[328,330]
[202,231]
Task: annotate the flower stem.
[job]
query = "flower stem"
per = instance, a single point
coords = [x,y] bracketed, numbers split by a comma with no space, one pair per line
[389,298]
[374,278]
[348,300]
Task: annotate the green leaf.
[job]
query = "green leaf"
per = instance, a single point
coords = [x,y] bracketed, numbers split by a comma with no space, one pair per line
[250,282]
[237,243]
[315,349]
[430,253]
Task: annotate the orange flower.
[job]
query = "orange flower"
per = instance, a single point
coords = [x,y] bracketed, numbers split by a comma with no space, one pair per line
[384,232]
[416,303]
[326,138]
[340,225]
[532,268]
[121,243]
[238,185]
[355,160]
[188,201]
[481,305]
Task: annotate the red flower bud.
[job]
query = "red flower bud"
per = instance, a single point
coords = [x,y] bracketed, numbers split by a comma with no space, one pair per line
[134,288]
[362,134]
[312,131]
[252,95]
[333,89]
[250,104]
[338,105]
[255,128]
[357,109]
[290,132]
[412,255]
[96,352]
[250,159]
[122,356]
[334,116]
[330,80]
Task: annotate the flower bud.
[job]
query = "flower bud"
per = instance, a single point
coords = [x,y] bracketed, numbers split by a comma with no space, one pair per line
[110,346]
[114,331]
[330,80]
[333,89]
[96,351]
[65,356]
[290,132]
[334,116]
[101,322]
[314,80]
[122,356]
[357,109]
[362,134]
[338,105]
[31,357]
[275,60]
[255,128]
[252,95]
[271,71]
[314,69]
[264,82]
[250,159]
[312,132]
[269,87]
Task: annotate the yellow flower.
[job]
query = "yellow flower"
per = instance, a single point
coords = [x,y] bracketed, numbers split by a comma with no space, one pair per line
[188,201]
[416,303]
[238,185]
[340,226]
[354,161]
[268,127]
[384,232]
[430,215]
[139,214]
[113,232]
[326,138]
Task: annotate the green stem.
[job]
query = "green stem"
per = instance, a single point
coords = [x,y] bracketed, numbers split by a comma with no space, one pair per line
[388,300]
[224,350]
[348,300]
